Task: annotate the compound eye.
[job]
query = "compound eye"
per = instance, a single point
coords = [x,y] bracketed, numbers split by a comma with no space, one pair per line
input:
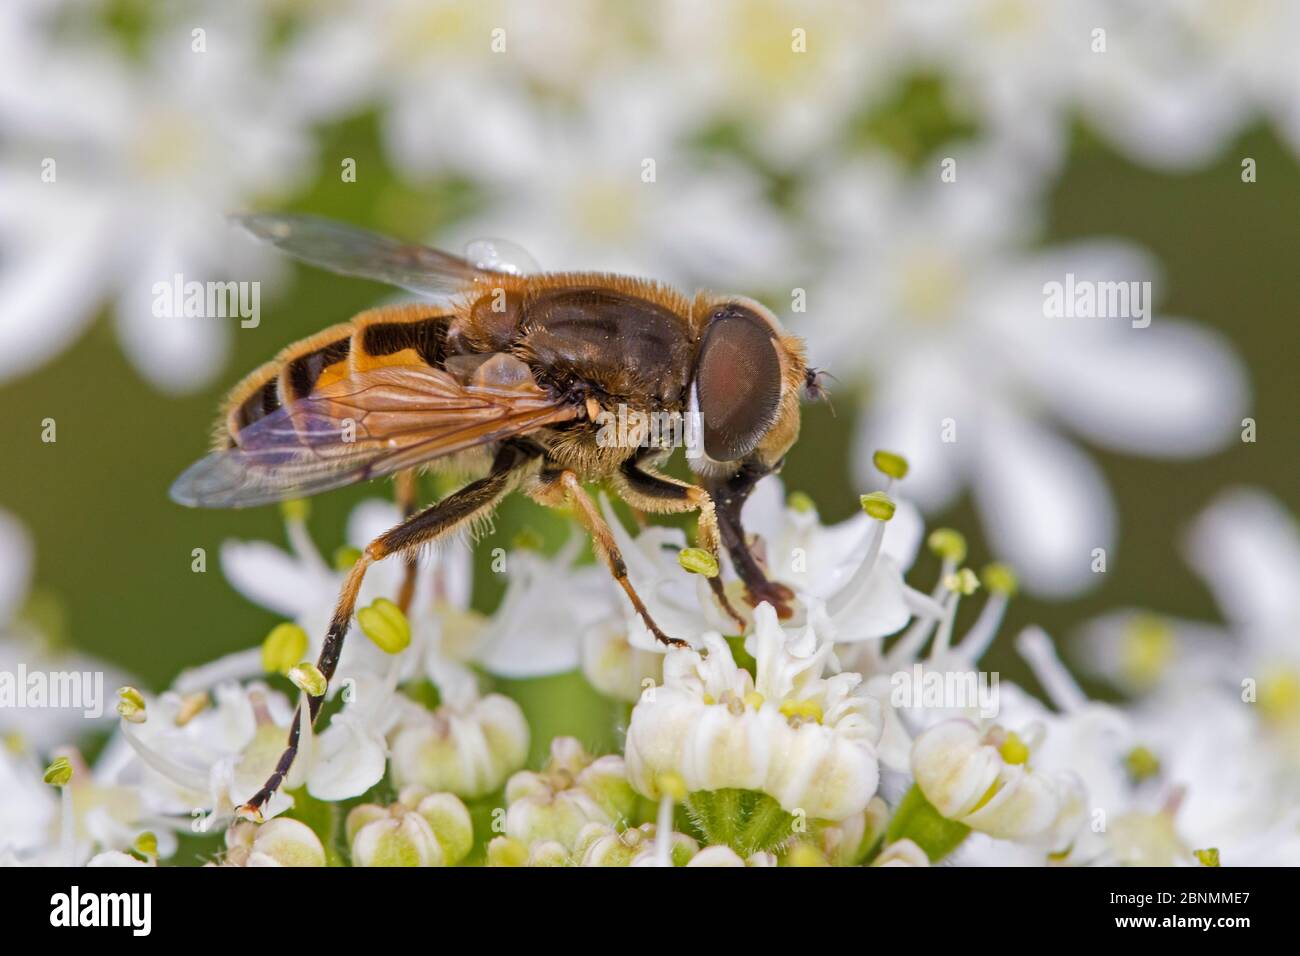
[737,382]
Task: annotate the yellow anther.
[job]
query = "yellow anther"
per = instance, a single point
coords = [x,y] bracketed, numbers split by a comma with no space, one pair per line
[307,677]
[1141,764]
[528,540]
[947,544]
[1207,857]
[385,624]
[1147,648]
[295,509]
[130,705]
[891,464]
[191,706]
[146,844]
[698,561]
[1014,750]
[59,773]
[962,582]
[804,854]
[803,709]
[1000,578]
[754,699]
[800,501]
[878,505]
[285,646]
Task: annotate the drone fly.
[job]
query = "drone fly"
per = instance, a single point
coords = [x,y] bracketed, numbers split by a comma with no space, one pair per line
[511,376]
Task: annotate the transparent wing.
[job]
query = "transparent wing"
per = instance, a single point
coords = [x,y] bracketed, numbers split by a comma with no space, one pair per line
[358,252]
[374,423]
[500,255]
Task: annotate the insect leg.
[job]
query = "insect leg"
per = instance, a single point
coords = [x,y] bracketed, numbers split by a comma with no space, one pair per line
[556,488]
[647,490]
[452,512]
[405,490]
[730,495]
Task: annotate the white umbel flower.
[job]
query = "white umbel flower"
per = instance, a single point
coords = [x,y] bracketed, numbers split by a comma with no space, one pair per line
[807,741]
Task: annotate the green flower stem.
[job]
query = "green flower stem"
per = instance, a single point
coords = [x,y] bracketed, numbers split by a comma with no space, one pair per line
[917,820]
[745,820]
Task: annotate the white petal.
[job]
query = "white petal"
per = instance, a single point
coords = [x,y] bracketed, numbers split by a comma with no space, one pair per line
[1247,547]
[272,578]
[1173,388]
[908,417]
[178,354]
[1044,504]
[15,565]
[350,760]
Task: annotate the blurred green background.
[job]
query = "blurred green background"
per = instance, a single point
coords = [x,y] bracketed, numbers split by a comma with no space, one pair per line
[113,571]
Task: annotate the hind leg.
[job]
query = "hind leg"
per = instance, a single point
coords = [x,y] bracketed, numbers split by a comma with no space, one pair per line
[453,512]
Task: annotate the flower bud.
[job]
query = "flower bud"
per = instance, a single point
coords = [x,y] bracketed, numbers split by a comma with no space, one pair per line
[468,752]
[280,842]
[571,791]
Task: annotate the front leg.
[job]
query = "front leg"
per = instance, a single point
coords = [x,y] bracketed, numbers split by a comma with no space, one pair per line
[729,496]
[658,494]
[555,488]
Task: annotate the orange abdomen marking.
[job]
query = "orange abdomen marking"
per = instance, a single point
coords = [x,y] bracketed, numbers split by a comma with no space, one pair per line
[391,335]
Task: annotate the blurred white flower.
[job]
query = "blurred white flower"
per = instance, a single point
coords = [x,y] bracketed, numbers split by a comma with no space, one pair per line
[91,813]
[622,194]
[934,303]
[74,686]
[117,176]
[465,88]
[1157,80]
[789,74]
[1246,547]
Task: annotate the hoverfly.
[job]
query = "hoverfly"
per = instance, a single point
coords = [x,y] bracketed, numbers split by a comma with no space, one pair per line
[505,375]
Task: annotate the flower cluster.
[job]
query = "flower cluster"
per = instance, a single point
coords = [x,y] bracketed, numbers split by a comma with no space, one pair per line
[861,731]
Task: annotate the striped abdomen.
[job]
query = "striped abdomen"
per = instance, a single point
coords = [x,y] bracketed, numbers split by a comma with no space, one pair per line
[390,335]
